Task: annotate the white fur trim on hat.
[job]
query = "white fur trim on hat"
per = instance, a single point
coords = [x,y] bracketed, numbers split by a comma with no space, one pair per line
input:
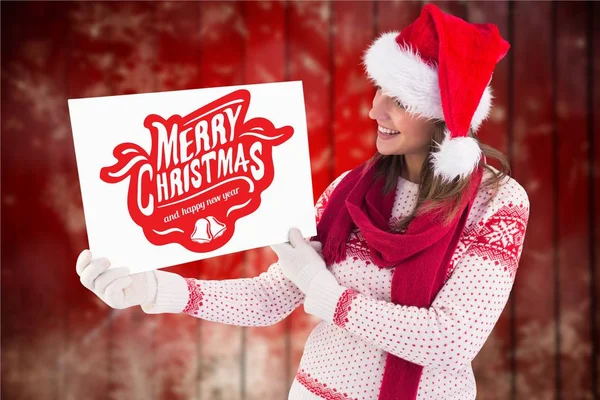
[404,75]
[456,157]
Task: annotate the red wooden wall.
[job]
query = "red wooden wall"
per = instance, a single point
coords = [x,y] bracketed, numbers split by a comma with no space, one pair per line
[60,342]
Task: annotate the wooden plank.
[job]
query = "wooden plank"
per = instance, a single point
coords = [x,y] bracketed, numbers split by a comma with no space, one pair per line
[176,343]
[222,49]
[534,289]
[58,197]
[308,39]
[396,15]
[12,129]
[88,319]
[265,42]
[354,133]
[594,9]
[494,131]
[53,221]
[573,201]
[267,350]
[492,366]
[454,7]
[129,34]
[36,245]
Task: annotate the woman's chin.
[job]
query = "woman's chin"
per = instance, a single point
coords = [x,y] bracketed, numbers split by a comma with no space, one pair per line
[386,149]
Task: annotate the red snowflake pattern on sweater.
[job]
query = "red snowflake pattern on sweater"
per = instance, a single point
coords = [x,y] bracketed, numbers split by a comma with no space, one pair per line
[195,294]
[320,389]
[343,306]
[356,247]
[501,237]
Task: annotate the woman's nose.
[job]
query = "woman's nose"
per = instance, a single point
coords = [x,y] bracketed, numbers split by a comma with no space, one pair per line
[379,110]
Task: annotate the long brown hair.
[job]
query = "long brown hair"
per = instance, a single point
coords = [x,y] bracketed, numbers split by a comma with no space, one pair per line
[434,194]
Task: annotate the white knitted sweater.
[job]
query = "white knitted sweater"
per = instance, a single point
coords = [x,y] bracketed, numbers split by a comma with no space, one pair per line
[344,356]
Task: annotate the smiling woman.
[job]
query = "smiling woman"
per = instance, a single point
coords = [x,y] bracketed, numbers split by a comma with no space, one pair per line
[406,147]
[414,260]
[400,132]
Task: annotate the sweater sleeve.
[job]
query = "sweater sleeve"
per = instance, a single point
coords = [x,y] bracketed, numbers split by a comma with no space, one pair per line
[450,332]
[259,301]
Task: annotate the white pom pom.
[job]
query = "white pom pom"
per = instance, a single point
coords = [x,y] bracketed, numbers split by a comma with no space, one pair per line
[457,157]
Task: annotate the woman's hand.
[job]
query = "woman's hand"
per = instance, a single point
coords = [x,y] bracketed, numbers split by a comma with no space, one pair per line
[115,287]
[299,259]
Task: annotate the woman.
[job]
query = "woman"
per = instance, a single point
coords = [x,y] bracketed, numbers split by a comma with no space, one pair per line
[420,244]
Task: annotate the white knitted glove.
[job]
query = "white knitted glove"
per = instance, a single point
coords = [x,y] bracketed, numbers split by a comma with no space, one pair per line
[299,259]
[116,287]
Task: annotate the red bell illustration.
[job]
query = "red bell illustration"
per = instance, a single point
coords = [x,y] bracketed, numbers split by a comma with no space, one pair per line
[207,229]
[216,227]
[201,233]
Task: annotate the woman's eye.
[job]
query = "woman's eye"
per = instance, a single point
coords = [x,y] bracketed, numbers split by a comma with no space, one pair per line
[399,104]
[378,88]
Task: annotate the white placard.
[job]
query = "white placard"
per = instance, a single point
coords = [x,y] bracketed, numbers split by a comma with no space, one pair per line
[172,177]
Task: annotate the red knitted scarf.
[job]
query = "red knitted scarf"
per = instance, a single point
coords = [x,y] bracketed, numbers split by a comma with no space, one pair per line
[420,256]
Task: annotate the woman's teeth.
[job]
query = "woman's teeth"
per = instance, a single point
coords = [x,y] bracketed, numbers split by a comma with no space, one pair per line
[387,131]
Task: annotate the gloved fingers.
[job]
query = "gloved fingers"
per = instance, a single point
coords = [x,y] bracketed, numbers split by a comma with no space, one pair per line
[107,277]
[83,260]
[296,238]
[91,272]
[282,249]
[115,296]
[142,289]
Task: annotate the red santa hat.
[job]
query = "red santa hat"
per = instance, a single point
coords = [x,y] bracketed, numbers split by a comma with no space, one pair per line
[440,67]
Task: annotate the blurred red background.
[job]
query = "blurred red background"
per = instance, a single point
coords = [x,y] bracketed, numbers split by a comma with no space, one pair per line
[59,341]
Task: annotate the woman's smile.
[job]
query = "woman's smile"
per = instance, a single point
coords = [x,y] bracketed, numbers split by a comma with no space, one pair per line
[385,133]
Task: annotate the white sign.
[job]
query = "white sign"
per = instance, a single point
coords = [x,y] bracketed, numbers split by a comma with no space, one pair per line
[172,177]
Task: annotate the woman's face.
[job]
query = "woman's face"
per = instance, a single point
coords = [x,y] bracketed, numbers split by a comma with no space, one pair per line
[411,134]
